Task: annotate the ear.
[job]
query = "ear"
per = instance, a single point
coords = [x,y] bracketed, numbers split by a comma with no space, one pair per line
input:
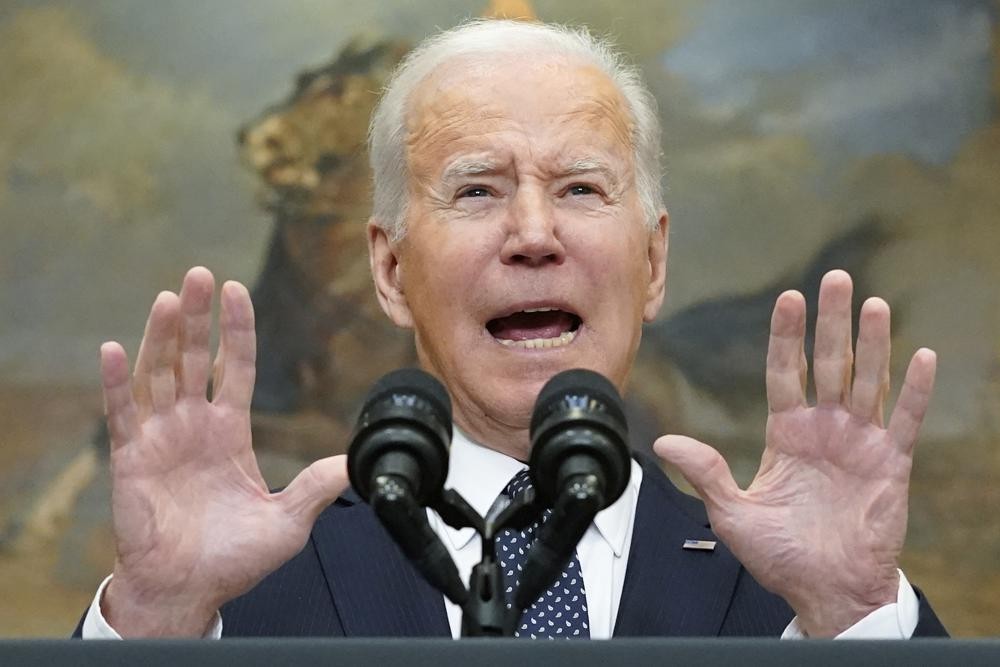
[383,257]
[657,267]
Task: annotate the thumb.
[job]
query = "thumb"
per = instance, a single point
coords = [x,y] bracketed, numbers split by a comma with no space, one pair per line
[702,466]
[316,487]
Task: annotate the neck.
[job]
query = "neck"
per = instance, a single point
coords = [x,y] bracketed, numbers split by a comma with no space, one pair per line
[487,431]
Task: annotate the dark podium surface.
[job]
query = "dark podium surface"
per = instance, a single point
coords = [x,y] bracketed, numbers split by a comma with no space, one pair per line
[502,653]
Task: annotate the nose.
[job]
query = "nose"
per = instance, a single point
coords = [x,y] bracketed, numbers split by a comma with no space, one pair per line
[532,232]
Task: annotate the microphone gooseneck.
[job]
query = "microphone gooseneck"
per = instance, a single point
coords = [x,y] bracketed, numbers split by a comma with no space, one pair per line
[398,463]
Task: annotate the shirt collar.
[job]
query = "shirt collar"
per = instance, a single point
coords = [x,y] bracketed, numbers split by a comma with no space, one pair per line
[613,522]
[479,474]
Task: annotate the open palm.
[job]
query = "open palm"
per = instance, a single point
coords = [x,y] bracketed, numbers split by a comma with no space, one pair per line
[824,520]
[194,523]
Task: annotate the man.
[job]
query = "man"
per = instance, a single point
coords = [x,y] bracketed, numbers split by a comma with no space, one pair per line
[518,231]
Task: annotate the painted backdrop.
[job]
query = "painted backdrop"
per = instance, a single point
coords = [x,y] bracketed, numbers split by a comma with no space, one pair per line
[140,138]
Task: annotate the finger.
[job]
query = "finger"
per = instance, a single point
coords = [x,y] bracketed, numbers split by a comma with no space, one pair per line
[119,404]
[316,487]
[871,370]
[154,382]
[832,357]
[195,330]
[238,350]
[786,361]
[908,415]
[702,466]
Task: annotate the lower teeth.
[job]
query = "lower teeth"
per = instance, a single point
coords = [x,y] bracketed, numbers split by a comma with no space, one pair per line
[537,343]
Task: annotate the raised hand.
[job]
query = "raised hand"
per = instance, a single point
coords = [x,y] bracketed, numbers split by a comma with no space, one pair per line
[194,523]
[824,520]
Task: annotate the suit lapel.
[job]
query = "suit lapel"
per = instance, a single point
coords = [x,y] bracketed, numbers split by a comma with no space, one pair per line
[376,590]
[669,590]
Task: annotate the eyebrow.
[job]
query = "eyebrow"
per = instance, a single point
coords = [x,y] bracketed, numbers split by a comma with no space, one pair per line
[463,168]
[468,167]
[590,165]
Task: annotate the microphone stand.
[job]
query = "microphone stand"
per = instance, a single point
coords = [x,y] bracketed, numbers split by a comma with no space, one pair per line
[485,613]
[484,603]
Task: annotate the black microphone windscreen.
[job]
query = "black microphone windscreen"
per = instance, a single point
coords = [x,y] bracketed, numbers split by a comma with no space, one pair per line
[577,382]
[415,381]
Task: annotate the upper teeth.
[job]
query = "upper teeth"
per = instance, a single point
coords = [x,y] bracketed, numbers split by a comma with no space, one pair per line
[539,310]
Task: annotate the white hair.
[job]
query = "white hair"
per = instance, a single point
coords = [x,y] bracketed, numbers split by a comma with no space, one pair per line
[387,133]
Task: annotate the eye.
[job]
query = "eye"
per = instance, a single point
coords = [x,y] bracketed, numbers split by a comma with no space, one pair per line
[474,191]
[580,189]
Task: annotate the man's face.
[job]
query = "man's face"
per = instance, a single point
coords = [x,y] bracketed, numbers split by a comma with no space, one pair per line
[526,252]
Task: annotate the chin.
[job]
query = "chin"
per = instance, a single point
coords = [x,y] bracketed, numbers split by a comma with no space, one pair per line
[510,403]
[517,399]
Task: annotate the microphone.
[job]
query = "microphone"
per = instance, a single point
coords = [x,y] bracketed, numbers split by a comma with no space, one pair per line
[403,432]
[398,462]
[580,464]
[578,429]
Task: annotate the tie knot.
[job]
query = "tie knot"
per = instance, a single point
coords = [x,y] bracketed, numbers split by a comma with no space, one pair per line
[518,484]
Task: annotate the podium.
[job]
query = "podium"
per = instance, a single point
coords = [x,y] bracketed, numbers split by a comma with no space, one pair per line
[496,653]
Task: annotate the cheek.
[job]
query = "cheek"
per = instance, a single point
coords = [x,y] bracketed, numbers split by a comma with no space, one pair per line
[443,277]
[617,263]
[617,277]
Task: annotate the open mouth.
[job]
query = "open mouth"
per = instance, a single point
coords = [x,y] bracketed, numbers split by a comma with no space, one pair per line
[535,328]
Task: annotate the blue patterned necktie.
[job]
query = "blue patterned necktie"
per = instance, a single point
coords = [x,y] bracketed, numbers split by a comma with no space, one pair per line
[561,611]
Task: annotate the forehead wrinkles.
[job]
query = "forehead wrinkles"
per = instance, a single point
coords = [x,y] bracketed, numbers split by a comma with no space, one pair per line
[439,117]
[601,111]
[560,94]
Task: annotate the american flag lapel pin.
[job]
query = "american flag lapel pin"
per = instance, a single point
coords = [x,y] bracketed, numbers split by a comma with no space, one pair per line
[699,545]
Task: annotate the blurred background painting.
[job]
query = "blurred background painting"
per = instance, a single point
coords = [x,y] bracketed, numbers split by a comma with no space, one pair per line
[140,138]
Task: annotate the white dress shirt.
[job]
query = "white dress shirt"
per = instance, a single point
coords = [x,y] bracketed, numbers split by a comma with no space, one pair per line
[479,474]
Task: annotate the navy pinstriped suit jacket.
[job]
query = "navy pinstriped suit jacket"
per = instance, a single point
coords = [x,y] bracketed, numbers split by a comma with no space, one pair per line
[352,580]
